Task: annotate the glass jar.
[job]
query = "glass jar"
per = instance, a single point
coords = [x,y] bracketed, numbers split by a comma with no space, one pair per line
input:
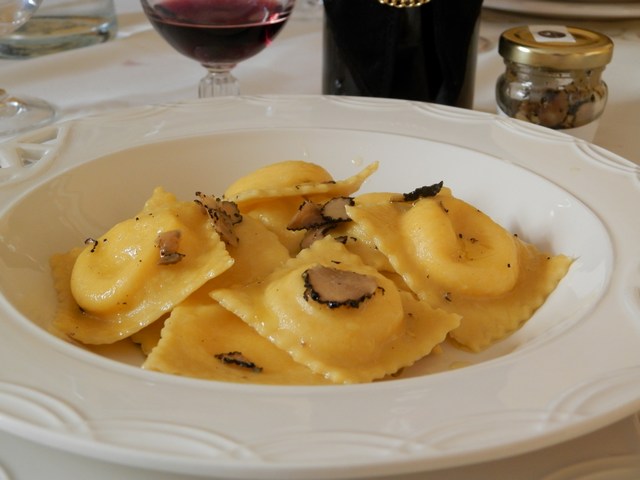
[553,77]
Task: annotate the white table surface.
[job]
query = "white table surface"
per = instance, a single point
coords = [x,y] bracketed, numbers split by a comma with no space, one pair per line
[139,68]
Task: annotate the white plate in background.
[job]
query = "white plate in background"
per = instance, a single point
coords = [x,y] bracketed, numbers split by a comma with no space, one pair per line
[602,10]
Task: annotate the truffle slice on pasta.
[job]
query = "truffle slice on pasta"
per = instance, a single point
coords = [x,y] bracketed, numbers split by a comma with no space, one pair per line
[201,339]
[119,283]
[458,259]
[359,340]
[274,194]
[247,267]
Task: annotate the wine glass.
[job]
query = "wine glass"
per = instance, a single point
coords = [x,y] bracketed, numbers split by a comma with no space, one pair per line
[17,114]
[218,33]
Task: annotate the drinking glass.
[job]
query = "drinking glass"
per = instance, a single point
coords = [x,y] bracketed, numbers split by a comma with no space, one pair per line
[218,33]
[17,114]
[61,25]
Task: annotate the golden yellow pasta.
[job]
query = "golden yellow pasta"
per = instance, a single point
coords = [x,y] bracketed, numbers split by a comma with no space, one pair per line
[119,283]
[247,267]
[461,248]
[201,339]
[274,193]
[458,259]
[294,179]
[489,319]
[275,214]
[385,331]
[360,243]
[257,254]
[149,336]
[289,279]
[277,176]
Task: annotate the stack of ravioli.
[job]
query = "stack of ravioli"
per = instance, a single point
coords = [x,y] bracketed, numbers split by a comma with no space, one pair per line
[245,310]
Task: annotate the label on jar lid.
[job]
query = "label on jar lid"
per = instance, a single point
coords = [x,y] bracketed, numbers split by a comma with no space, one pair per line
[551,33]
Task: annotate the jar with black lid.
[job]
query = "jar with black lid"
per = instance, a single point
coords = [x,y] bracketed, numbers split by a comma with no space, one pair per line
[553,77]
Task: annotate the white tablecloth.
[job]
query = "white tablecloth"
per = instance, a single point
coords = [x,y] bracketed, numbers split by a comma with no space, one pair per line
[139,68]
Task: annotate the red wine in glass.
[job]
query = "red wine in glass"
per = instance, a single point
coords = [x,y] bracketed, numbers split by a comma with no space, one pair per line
[218,33]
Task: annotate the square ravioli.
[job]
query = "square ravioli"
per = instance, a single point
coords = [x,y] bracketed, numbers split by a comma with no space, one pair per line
[201,339]
[458,259]
[118,284]
[351,326]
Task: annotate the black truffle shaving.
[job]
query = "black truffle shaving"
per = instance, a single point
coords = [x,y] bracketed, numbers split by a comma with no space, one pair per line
[319,219]
[237,359]
[335,209]
[308,215]
[316,233]
[224,215]
[93,242]
[311,215]
[344,239]
[422,192]
[335,288]
[168,243]
[229,208]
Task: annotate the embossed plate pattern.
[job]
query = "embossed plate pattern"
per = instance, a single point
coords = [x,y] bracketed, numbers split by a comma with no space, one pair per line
[571,369]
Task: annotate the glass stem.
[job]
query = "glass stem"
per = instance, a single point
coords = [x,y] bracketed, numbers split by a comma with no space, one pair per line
[219,82]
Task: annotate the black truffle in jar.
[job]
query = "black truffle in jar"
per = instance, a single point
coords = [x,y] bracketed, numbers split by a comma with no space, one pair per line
[553,77]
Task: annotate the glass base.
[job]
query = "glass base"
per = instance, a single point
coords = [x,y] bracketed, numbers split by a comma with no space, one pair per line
[45,35]
[19,114]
